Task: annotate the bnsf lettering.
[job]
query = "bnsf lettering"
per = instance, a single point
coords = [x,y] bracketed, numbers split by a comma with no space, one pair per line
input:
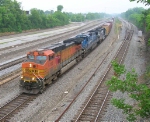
[31,71]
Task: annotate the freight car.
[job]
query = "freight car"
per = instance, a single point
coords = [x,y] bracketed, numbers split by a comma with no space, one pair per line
[107,27]
[45,65]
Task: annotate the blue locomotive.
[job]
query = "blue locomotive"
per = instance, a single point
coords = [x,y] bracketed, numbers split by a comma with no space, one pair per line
[92,38]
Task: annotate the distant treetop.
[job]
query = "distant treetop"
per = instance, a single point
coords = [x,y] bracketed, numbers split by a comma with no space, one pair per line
[146,2]
[60,8]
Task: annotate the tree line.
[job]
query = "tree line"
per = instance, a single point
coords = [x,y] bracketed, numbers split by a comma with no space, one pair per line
[146,2]
[141,18]
[127,81]
[14,19]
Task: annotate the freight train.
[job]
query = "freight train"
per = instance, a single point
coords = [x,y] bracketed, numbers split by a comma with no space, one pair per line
[44,65]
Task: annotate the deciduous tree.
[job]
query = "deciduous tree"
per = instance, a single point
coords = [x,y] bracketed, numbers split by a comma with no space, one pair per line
[146,2]
[59,8]
[139,93]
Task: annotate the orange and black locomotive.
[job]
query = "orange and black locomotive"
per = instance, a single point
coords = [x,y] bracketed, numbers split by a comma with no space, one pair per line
[46,64]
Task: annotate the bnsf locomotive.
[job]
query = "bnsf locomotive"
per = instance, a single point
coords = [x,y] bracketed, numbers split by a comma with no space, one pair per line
[45,65]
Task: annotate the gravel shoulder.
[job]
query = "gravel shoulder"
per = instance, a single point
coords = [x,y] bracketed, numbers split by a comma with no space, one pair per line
[41,108]
[45,103]
[135,58]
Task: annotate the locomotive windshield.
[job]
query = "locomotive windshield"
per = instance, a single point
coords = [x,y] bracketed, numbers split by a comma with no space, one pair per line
[37,59]
[31,57]
[41,58]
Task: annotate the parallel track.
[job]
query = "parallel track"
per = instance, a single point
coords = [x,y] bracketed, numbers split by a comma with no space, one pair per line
[39,40]
[98,98]
[21,59]
[94,107]
[12,62]
[57,38]
[45,41]
[13,107]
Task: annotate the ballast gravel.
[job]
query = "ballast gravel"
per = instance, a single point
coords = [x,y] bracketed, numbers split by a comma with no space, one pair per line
[46,104]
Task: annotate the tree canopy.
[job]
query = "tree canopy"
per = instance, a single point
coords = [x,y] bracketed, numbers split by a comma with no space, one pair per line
[141,18]
[14,19]
[138,92]
[146,2]
[60,8]
[137,16]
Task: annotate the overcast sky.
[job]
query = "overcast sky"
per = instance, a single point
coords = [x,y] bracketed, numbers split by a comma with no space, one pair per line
[82,6]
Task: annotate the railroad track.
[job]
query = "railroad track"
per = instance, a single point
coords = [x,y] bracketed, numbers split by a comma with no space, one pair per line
[12,74]
[82,27]
[94,107]
[101,96]
[13,107]
[9,76]
[53,39]
[45,41]
[12,62]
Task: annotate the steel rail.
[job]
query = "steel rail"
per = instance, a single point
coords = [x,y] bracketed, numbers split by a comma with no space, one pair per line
[125,52]
[84,87]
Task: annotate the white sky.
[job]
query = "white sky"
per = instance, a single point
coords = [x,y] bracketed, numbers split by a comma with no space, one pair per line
[82,6]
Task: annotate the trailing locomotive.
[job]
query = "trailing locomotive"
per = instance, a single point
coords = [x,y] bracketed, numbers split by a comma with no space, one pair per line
[92,38]
[45,65]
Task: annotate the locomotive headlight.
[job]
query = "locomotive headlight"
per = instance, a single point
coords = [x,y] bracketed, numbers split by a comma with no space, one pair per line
[30,65]
[33,78]
[21,77]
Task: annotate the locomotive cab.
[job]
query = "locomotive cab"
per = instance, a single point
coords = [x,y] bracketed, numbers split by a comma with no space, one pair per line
[38,58]
[90,40]
[35,70]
